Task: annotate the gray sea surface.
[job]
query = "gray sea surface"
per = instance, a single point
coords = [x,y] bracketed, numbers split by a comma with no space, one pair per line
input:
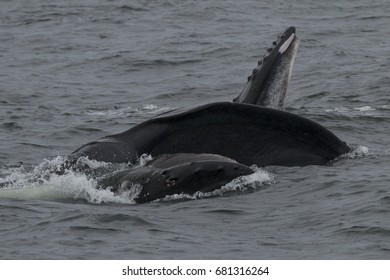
[74,71]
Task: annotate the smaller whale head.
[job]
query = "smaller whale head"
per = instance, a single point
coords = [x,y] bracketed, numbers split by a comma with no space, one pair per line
[191,177]
[176,174]
[268,83]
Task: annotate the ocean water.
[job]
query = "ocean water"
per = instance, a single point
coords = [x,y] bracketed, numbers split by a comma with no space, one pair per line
[74,71]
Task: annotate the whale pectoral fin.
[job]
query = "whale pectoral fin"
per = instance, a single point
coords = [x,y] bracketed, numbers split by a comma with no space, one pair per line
[268,83]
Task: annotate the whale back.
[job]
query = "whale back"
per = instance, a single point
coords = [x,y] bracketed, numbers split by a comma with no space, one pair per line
[246,133]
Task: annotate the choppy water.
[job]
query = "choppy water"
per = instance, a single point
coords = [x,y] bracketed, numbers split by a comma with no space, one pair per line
[74,71]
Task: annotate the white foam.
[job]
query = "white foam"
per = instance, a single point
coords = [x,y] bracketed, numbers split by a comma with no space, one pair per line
[42,184]
[144,159]
[358,152]
[338,110]
[110,113]
[150,107]
[69,188]
[364,110]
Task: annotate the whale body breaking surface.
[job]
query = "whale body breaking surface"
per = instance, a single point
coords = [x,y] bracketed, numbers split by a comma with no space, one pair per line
[203,148]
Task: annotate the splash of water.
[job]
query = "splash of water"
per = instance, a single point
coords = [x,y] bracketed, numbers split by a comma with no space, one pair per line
[43,183]
[358,152]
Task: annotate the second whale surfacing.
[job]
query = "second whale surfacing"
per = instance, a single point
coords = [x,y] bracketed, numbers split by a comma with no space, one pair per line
[176,174]
[203,148]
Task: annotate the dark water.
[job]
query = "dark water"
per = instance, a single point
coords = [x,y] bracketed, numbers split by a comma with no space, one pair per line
[73,71]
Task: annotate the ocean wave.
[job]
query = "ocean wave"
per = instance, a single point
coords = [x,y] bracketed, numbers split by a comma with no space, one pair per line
[43,183]
[363,110]
[366,230]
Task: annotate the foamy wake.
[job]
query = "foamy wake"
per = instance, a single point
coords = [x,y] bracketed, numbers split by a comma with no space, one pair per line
[42,183]
[356,152]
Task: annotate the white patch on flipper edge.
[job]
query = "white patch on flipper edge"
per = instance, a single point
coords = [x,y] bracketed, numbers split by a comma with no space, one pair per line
[287,44]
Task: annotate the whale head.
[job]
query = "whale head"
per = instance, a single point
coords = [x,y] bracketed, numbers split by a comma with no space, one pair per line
[268,83]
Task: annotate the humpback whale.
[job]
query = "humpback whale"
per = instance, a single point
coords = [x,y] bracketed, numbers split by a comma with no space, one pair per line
[174,174]
[217,142]
[246,133]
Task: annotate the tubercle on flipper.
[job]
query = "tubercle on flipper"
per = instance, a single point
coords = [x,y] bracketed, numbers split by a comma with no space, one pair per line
[260,62]
[266,56]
